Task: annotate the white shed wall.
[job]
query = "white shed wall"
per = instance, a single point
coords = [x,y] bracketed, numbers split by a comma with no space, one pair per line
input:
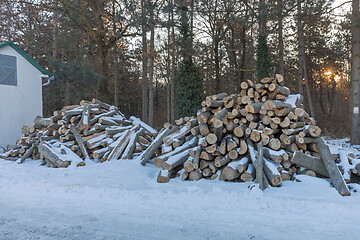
[19,104]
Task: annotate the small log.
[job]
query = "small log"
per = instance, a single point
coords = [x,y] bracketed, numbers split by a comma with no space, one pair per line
[27,153]
[274,144]
[79,142]
[196,160]
[84,121]
[204,129]
[206,172]
[129,150]
[150,151]
[211,138]
[272,105]
[219,162]
[120,145]
[188,165]
[175,160]
[275,156]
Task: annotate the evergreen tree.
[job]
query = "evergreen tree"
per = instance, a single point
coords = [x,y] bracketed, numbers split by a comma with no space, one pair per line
[188,82]
[263,64]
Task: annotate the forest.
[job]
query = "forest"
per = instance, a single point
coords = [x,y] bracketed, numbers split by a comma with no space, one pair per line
[158,59]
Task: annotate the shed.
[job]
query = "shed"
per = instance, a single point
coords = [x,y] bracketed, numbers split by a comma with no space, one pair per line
[20,91]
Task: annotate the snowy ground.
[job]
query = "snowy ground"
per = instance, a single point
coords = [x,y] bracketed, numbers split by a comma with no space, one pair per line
[121,200]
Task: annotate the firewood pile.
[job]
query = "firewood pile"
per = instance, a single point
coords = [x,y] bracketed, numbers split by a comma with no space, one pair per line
[92,130]
[262,134]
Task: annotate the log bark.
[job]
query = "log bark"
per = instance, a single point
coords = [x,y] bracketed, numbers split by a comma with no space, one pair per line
[78,139]
[150,151]
[272,173]
[334,172]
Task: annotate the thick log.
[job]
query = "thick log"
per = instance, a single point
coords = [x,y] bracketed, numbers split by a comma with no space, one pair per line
[272,105]
[41,122]
[164,176]
[254,107]
[255,136]
[195,175]
[310,162]
[53,158]
[168,140]
[272,173]
[312,131]
[231,171]
[84,121]
[230,144]
[240,130]
[242,164]
[218,130]
[158,161]
[96,118]
[258,164]
[176,160]
[188,165]
[274,144]
[116,129]
[214,103]
[334,172]
[79,141]
[275,156]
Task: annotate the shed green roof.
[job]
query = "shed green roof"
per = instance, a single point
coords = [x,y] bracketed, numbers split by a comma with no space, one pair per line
[27,57]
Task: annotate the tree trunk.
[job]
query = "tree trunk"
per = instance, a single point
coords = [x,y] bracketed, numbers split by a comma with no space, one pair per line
[300,46]
[302,61]
[168,71]
[151,70]
[173,66]
[144,98]
[355,74]
[243,46]
[217,64]
[281,64]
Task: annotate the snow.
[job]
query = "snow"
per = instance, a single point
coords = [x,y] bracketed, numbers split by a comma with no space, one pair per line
[122,200]
[291,99]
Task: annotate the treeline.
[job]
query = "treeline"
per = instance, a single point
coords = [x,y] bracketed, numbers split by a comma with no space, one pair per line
[133,53]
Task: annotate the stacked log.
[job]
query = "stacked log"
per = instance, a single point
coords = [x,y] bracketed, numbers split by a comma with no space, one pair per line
[92,130]
[231,129]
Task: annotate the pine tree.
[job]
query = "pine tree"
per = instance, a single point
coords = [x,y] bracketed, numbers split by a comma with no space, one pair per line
[263,64]
[188,81]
